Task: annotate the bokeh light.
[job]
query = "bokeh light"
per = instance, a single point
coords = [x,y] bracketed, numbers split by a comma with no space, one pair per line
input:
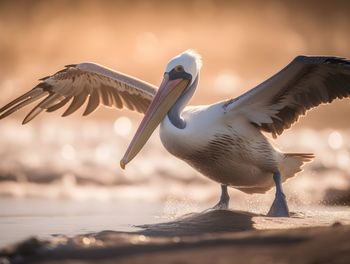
[122,126]
[335,140]
[68,152]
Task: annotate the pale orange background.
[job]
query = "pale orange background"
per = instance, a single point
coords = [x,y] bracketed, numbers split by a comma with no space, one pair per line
[242,42]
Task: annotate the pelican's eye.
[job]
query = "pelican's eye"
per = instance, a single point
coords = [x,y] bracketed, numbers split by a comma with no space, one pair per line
[179,68]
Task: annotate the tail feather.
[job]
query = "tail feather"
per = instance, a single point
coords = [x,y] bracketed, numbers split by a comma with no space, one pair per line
[292,163]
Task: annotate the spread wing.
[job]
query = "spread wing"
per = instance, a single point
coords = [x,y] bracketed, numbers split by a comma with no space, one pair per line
[306,82]
[79,83]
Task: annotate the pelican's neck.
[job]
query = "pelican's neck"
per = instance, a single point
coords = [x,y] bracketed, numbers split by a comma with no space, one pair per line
[174,113]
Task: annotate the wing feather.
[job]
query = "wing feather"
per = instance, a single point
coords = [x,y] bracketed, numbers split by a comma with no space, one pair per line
[117,102]
[22,101]
[306,82]
[77,102]
[127,99]
[98,84]
[59,104]
[49,101]
[94,102]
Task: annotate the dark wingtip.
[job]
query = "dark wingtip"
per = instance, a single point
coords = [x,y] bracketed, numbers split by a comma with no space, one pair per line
[24,122]
[27,119]
[88,111]
[67,112]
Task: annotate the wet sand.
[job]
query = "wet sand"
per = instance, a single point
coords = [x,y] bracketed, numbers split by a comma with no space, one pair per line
[220,236]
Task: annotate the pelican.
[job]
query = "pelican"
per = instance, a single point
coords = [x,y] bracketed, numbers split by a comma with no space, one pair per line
[224,141]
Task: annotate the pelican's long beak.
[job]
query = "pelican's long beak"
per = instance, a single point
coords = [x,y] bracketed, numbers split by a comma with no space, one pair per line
[168,93]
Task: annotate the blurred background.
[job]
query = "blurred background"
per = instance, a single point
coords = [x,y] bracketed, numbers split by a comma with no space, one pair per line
[242,44]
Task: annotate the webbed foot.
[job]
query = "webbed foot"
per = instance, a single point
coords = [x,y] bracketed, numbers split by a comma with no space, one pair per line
[279,207]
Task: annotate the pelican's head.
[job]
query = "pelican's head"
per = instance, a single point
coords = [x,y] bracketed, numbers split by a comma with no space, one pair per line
[186,64]
[180,73]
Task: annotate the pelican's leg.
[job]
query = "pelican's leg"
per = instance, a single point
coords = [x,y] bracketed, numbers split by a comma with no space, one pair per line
[224,199]
[279,206]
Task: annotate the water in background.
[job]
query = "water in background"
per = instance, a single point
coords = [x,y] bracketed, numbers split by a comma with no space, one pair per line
[62,159]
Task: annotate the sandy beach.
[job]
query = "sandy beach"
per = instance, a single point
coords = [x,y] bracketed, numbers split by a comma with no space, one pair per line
[220,236]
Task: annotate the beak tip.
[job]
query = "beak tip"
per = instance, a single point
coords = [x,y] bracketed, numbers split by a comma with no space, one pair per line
[122,164]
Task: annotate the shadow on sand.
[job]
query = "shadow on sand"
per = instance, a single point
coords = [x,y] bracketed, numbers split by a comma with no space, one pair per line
[213,221]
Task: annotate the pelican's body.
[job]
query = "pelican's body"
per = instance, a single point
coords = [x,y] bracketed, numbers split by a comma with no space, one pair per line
[231,154]
[223,141]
